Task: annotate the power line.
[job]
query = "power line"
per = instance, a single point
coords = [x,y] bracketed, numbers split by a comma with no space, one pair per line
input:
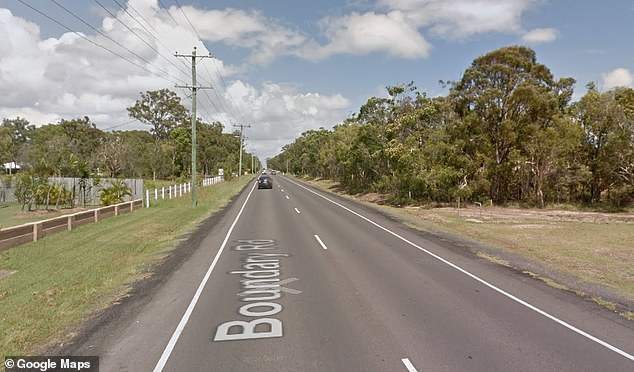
[156,38]
[138,36]
[108,37]
[92,42]
[219,74]
[119,125]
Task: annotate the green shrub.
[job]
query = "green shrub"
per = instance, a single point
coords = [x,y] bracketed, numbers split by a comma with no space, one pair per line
[115,193]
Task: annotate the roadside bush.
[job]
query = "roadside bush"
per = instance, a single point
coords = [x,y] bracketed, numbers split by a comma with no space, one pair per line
[26,188]
[115,193]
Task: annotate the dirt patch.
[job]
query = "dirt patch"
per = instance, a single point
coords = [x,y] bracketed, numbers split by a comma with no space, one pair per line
[48,213]
[510,215]
[5,273]
[370,197]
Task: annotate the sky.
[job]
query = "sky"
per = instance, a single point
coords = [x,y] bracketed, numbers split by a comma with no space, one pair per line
[282,67]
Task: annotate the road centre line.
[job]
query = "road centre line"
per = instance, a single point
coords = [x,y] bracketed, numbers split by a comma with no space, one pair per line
[410,367]
[477,278]
[287,197]
[297,210]
[320,242]
[183,322]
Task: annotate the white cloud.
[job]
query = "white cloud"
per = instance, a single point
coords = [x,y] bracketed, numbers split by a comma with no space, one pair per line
[68,76]
[620,77]
[281,113]
[369,32]
[540,35]
[460,19]
[264,36]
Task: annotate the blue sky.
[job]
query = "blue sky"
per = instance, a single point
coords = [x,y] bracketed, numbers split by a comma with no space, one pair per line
[285,67]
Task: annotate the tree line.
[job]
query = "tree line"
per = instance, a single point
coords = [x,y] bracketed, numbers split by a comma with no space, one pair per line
[76,147]
[506,132]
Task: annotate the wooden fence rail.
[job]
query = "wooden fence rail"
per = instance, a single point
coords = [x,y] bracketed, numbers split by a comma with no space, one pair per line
[34,231]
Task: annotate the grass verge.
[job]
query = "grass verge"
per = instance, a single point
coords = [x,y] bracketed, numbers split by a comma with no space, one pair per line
[60,281]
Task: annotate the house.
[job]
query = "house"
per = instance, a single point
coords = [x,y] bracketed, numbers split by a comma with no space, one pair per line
[10,168]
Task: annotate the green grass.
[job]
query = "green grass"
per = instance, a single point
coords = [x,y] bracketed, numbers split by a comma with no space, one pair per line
[10,215]
[65,278]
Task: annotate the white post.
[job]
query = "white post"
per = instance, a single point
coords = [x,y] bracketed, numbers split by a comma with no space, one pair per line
[163,193]
[147,198]
[170,190]
[155,194]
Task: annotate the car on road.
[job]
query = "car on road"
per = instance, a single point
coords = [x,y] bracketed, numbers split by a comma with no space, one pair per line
[265,182]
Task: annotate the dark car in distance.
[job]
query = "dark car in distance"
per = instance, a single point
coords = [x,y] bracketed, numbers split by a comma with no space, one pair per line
[265,182]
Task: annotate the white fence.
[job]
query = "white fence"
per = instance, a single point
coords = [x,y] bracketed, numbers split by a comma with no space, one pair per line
[175,191]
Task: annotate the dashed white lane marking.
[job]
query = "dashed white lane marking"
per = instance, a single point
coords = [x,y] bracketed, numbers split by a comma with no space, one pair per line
[478,279]
[287,197]
[297,210]
[410,367]
[320,242]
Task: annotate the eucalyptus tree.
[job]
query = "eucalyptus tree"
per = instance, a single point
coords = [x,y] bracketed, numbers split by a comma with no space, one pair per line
[162,109]
[606,120]
[504,99]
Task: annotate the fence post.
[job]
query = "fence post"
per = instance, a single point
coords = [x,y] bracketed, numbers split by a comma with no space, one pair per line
[37,231]
[97,214]
[163,193]
[147,200]
[132,204]
[169,189]
[71,222]
[155,194]
[116,210]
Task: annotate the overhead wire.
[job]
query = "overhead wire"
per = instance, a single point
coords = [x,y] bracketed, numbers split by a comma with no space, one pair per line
[221,106]
[93,42]
[218,109]
[110,38]
[221,99]
[169,60]
[156,38]
[135,19]
[119,125]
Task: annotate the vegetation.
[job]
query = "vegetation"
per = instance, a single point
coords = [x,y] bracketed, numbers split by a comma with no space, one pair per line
[56,283]
[506,132]
[114,193]
[77,148]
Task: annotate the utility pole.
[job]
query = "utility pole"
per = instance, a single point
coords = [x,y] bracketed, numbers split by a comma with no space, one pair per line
[241,126]
[194,88]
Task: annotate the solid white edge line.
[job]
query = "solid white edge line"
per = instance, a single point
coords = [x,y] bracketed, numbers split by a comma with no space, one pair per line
[183,322]
[482,281]
[410,367]
[297,210]
[320,242]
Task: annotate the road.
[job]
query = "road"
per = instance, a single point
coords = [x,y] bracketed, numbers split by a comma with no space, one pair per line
[297,279]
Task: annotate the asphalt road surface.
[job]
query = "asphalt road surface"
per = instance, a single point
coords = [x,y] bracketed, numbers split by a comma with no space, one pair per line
[296,279]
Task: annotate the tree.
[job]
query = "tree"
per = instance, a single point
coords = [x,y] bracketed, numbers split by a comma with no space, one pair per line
[162,109]
[14,134]
[608,136]
[503,99]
